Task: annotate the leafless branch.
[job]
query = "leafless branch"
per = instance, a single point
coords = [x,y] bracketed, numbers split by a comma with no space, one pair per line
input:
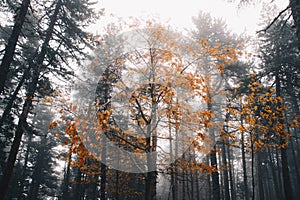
[274,20]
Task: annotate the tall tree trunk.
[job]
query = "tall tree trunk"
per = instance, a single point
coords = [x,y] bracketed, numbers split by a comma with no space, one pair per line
[17,139]
[260,176]
[24,170]
[27,105]
[209,191]
[12,43]
[197,186]
[65,188]
[192,174]
[231,175]
[103,171]
[151,176]
[252,165]
[275,177]
[284,160]
[37,173]
[173,167]
[213,159]
[183,180]
[13,97]
[215,175]
[225,168]
[246,189]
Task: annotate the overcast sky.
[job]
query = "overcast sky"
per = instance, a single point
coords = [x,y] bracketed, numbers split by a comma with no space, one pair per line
[179,12]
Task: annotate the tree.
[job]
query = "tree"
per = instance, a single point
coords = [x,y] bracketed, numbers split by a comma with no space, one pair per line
[214,34]
[294,6]
[280,58]
[80,13]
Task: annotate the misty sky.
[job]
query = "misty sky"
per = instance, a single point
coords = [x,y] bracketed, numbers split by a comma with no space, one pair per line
[180,12]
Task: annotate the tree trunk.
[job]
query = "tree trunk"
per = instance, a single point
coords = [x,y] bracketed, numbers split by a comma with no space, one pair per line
[65,190]
[10,103]
[260,176]
[12,43]
[215,175]
[209,191]
[284,160]
[275,177]
[103,171]
[17,139]
[151,176]
[246,190]
[225,172]
[151,142]
[23,176]
[231,175]
[37,173]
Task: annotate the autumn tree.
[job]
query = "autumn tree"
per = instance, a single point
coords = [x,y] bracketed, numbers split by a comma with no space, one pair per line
[224,49]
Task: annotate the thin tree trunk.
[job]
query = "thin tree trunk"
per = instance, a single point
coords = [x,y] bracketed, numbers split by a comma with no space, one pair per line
[260,176]
[23,176]
[284,160]
[221,180]
[65,190]
[192,174]
[183,180]
[225,172]
[252,166]
[37,173]
[215,175]
[275,177]
[197,186]
[12,43]
[246,190]
[103,171]
[231,175]
[209,191]
[13,97]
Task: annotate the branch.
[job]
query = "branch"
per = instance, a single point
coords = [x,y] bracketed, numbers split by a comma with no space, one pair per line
[274,20]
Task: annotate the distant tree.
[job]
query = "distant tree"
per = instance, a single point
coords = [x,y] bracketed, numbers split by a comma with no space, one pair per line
[215,34]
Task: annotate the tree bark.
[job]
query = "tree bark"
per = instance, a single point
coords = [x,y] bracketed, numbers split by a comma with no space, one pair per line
[225,169]
[65,188]
[284,160]
[12,43]
[215,175]
[246,190]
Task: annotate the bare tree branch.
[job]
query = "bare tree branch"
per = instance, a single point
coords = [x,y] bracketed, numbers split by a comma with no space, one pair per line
[274,20]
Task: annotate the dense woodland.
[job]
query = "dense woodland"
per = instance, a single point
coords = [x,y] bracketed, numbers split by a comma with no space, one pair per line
[245,146]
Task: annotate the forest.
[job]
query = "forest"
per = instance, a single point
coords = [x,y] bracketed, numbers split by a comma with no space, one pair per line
[142,110]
